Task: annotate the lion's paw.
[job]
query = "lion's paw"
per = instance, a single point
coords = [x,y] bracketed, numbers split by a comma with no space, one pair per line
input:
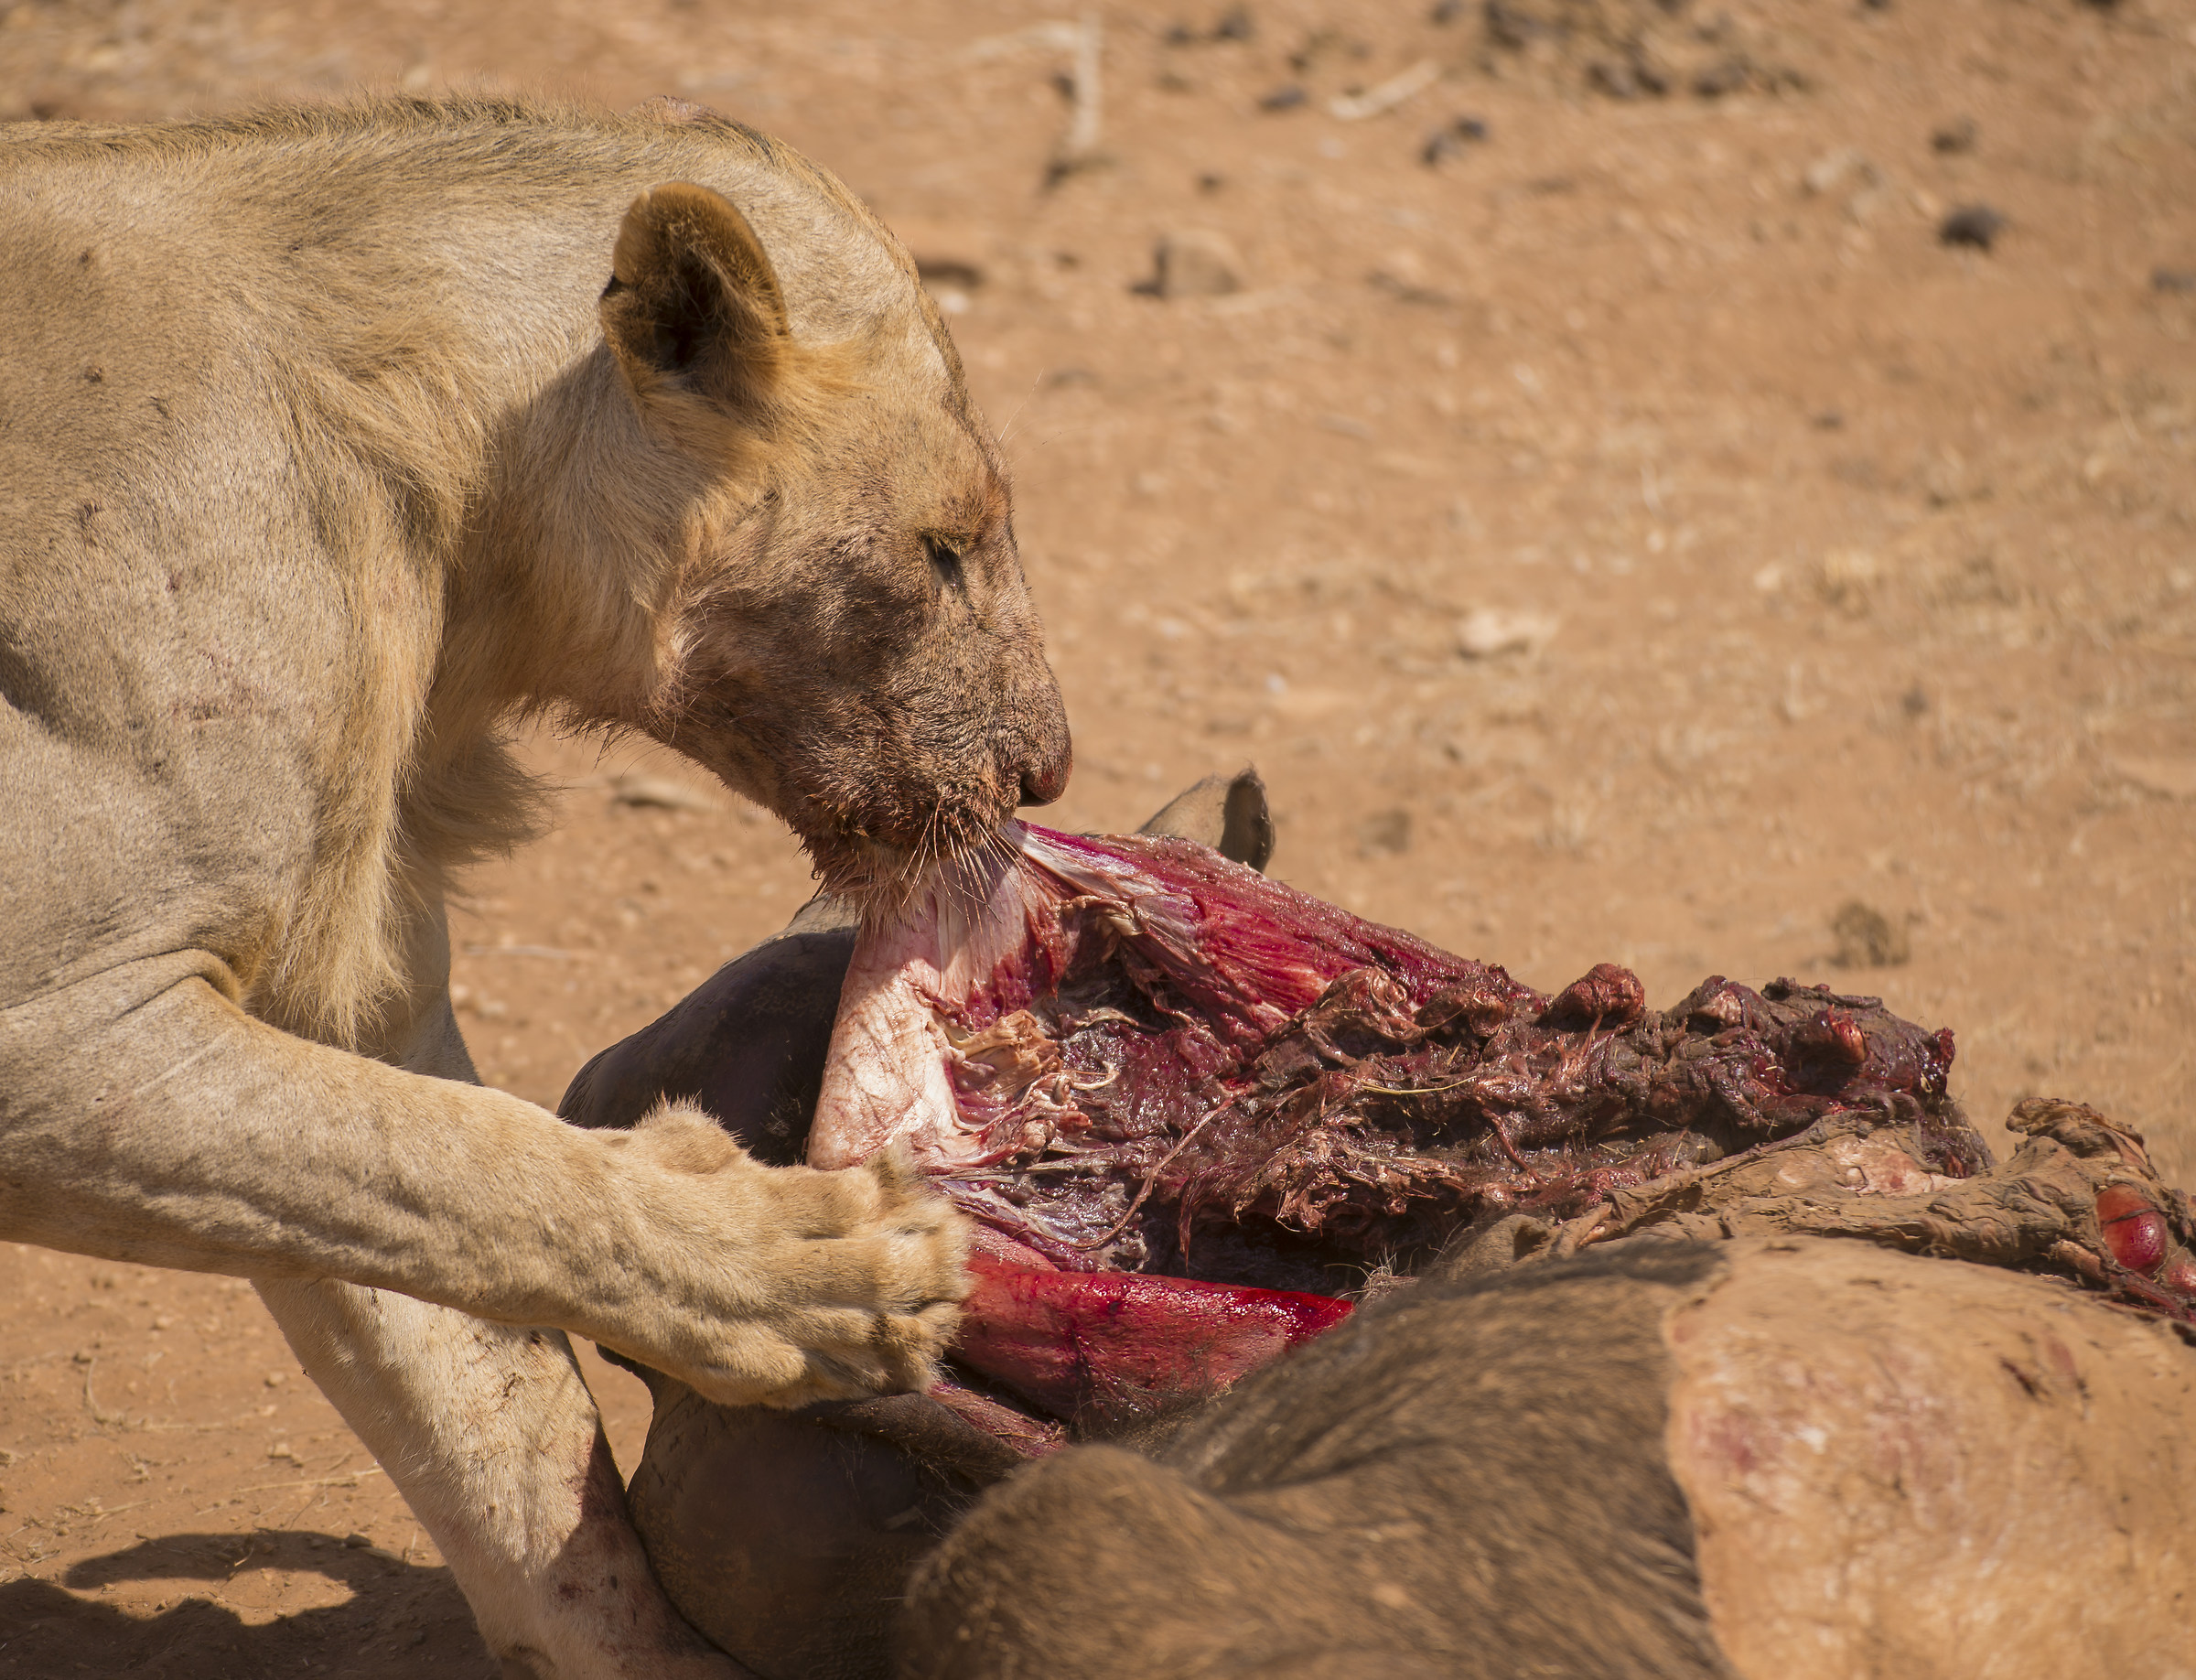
[886,1270]
[825,1286]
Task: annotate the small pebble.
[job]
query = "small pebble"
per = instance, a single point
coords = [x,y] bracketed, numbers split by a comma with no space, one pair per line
[1386,832]
[1867,938]
[1450,140]
[1194,263]
[1972,224]
[1955,137]
[1287,97]
[1730,76]
[955,273]
[2177,281]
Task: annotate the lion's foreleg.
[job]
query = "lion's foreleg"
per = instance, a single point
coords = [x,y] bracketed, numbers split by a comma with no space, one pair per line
[146,1119]
[490,1433]
[491,1436]
[143,1117]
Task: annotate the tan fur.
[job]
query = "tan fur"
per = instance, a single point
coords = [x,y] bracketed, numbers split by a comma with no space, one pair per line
[336,441]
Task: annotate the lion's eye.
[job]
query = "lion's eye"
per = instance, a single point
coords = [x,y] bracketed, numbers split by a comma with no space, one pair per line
[944,558]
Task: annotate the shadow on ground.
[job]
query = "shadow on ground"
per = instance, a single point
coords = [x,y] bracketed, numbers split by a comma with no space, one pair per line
[401,1618]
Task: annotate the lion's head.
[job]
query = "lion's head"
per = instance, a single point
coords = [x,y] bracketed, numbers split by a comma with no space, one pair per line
[846,636]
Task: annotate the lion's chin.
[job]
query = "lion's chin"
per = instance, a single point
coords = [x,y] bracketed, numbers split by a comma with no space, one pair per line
[882,880]
[880,866]
[858,867]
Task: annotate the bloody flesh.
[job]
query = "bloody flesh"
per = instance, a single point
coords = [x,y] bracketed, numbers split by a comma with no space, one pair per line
[2134,1230]
[1189,1106]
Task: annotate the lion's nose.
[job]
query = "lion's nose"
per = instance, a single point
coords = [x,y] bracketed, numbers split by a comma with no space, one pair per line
[1048,750]
[1044,780]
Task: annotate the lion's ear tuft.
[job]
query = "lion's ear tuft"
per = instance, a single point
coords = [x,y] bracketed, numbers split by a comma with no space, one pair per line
[693,300]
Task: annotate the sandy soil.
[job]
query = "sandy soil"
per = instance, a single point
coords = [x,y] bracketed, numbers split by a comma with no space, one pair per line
[1634,535]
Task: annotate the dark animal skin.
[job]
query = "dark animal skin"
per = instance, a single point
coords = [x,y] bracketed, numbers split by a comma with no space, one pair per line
[747,1045]
[835,1505]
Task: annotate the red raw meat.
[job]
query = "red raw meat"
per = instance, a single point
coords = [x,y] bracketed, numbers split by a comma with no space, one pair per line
[1191,1107]
[1112,1346]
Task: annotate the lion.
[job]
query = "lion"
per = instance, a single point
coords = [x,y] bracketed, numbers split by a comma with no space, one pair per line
[337,440]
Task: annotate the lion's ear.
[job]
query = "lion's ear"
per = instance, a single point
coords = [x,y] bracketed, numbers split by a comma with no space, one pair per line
[693,300]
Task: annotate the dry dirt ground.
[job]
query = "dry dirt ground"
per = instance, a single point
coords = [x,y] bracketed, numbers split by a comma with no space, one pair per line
[1635,533]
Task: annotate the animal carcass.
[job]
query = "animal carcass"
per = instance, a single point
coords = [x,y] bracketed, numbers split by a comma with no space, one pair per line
[1201,1119]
